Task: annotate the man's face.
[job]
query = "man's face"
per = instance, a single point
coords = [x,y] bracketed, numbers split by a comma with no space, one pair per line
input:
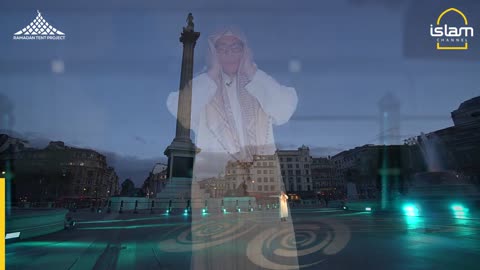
[229,50]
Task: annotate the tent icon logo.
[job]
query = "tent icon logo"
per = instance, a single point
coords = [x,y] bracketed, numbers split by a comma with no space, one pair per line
[39,29]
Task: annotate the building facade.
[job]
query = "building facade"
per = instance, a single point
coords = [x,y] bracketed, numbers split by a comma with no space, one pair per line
[371,166]
[265,175]
[156,180]
[295,169]
[213,186]
[236,173]
[58,172]
[324,174]
[462,141]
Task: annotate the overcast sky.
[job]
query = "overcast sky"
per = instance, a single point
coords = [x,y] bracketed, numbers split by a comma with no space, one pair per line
[105,86]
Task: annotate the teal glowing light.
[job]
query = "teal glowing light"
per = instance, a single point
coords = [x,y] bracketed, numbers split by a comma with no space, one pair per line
[185,212]
[368,209]
[459,211]
[411,210]
[344,208]
[224,210]
[459,208]
[238,210]
[168,211]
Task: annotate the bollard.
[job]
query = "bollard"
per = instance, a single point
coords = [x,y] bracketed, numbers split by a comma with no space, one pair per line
[223,208]
[99,208]
[169,209]
[91,207]
[136,205]
[151,209]
[109,209]
[236,206]
[250,206]
[187,208]
[205,208]
[121,207]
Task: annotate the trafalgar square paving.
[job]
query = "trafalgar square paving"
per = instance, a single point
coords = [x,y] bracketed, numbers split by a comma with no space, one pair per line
[325,238]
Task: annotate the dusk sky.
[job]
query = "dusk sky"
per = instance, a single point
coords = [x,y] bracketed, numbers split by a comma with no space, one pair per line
[105,86]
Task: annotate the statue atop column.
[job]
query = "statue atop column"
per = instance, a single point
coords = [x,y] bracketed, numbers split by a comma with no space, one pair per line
[190,24]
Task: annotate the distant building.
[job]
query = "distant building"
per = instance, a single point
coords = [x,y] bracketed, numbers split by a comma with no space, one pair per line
[111,181]
[261,176]
[324,174]
[367,165]
[236,172]
[358,165]
[57,172]
[265,175]
[462,141]
[156,180]
[214,186]
[295,169]
[468,113]
[8,143]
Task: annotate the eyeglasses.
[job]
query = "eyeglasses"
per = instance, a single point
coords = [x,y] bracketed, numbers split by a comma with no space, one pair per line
[234,48]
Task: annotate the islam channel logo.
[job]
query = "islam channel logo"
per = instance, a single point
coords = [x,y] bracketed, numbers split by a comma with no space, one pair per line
[452,32]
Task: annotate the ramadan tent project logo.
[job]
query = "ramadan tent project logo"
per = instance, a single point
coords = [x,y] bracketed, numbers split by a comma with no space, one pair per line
[39,29]
[449,34]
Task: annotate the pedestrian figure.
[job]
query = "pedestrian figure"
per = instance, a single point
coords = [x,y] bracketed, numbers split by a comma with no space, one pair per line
[283,206]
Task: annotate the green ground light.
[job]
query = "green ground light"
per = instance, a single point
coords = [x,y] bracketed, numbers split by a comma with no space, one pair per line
[411,210]
[459,211]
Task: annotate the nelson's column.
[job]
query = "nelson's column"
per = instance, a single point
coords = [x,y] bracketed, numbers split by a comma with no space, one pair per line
[181,152]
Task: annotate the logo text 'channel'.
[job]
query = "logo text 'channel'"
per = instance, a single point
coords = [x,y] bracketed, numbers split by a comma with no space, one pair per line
[450,37]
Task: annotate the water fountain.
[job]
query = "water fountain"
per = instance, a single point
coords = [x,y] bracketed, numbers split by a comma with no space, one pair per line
[434,154]
[438,184]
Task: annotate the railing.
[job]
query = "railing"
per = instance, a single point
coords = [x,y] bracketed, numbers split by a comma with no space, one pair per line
[145,205]
[141,206]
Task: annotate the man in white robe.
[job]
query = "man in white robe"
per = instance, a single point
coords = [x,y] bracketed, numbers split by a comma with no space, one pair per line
[234,105]
[233,109]
[283,206]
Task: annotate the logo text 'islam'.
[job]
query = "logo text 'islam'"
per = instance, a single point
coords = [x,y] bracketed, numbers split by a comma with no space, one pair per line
[451,37]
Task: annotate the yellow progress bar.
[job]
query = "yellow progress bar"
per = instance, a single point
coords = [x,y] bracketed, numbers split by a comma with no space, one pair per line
[2,226]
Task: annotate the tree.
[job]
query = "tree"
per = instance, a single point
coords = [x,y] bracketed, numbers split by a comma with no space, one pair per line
[128,188]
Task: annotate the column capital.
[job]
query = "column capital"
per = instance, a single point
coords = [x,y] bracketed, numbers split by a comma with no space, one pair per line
[189,37]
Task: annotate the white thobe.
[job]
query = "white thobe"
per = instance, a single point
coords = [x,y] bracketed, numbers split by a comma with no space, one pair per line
[283,206]
[231,88]
[277,101]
